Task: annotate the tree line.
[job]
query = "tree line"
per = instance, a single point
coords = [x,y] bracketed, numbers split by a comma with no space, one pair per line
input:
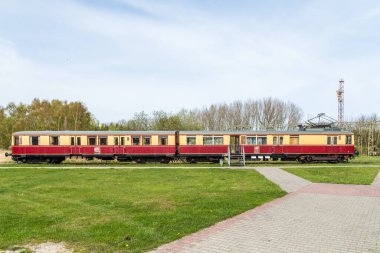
[263,114]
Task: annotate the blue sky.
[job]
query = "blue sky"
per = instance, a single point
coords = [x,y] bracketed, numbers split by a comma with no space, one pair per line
[125,56]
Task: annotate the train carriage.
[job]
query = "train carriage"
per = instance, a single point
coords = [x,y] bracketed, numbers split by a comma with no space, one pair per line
[193,146]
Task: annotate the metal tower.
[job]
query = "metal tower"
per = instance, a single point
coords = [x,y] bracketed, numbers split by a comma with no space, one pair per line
[340,95]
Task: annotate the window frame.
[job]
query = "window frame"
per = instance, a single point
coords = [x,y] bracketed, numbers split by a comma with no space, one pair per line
[144,138]
[263,139]
[191,137]
[348,139]
[89,142]
[31,140]
[102,138]
[254,138]
[163,137]
[133,140]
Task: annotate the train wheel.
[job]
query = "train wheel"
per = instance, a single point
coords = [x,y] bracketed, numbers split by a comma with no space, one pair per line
[309,159]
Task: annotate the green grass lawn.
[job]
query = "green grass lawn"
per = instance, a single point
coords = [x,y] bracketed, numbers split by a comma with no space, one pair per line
[337,175]
[121,210]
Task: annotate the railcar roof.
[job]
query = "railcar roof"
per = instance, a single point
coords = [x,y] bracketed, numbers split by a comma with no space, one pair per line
[181,132]
[91,132]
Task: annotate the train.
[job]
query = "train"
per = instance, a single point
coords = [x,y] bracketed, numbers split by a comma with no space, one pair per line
[302,145]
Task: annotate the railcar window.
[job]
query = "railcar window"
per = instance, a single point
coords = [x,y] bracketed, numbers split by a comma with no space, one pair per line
[328,140]
[136,140]
[54,140]
[35,140]
[251,140]
[281,140]
[146,140]
[91,140]
[190,140]
[164,140]
[16,141]
[72,141]
[116,140]
[218,140]
[274,140]
[79,141]
[207,140]
[348,139]
[103,141]
[122,140]
[261,140]
[335,140]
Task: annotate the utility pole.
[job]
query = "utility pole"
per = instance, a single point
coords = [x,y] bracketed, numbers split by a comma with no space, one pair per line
[340,95]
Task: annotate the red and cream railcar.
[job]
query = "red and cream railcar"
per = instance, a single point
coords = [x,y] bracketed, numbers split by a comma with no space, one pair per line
[302,145]
[56,146]
[194,146]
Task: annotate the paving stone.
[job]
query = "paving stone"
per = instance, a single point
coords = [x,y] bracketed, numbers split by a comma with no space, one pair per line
[377,180]
[316,218]
[287,181]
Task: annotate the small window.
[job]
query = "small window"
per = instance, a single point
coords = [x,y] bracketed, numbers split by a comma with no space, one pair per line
[281,140]
[72,141]
[136,140]
[116,141]
[92,141]
[218,140]
[261,140]
[35,140]
[122,141]
[54,140]
[243,139]
[335,140]
[190,140]
[103,141]
[348,139]
[207,140]
[146,140]
[328,140]
[79,141]
[251,140]
[164,140]
[16,140]
[274,140]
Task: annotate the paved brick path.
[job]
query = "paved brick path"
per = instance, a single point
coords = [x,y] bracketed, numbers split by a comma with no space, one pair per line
[377,180]
[287,181]
[316,218]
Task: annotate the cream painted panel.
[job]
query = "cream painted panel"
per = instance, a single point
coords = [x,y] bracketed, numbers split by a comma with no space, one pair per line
[226,139]
[171,140]
[64,140]
[110,140]
[182,140]
[313,140]
[83,140]
[128,140]
[270,139]
[44,140]
[199,140]
[25,140]
[154,140]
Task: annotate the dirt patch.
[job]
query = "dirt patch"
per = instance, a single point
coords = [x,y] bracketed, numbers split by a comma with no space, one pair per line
[4,159]
[47,247]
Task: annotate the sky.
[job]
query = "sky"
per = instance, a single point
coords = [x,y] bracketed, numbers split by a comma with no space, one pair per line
[125,56]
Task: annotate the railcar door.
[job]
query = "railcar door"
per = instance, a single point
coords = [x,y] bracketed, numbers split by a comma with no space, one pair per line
[235,144]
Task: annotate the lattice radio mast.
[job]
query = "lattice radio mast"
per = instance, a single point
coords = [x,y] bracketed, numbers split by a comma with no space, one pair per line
[340,95]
